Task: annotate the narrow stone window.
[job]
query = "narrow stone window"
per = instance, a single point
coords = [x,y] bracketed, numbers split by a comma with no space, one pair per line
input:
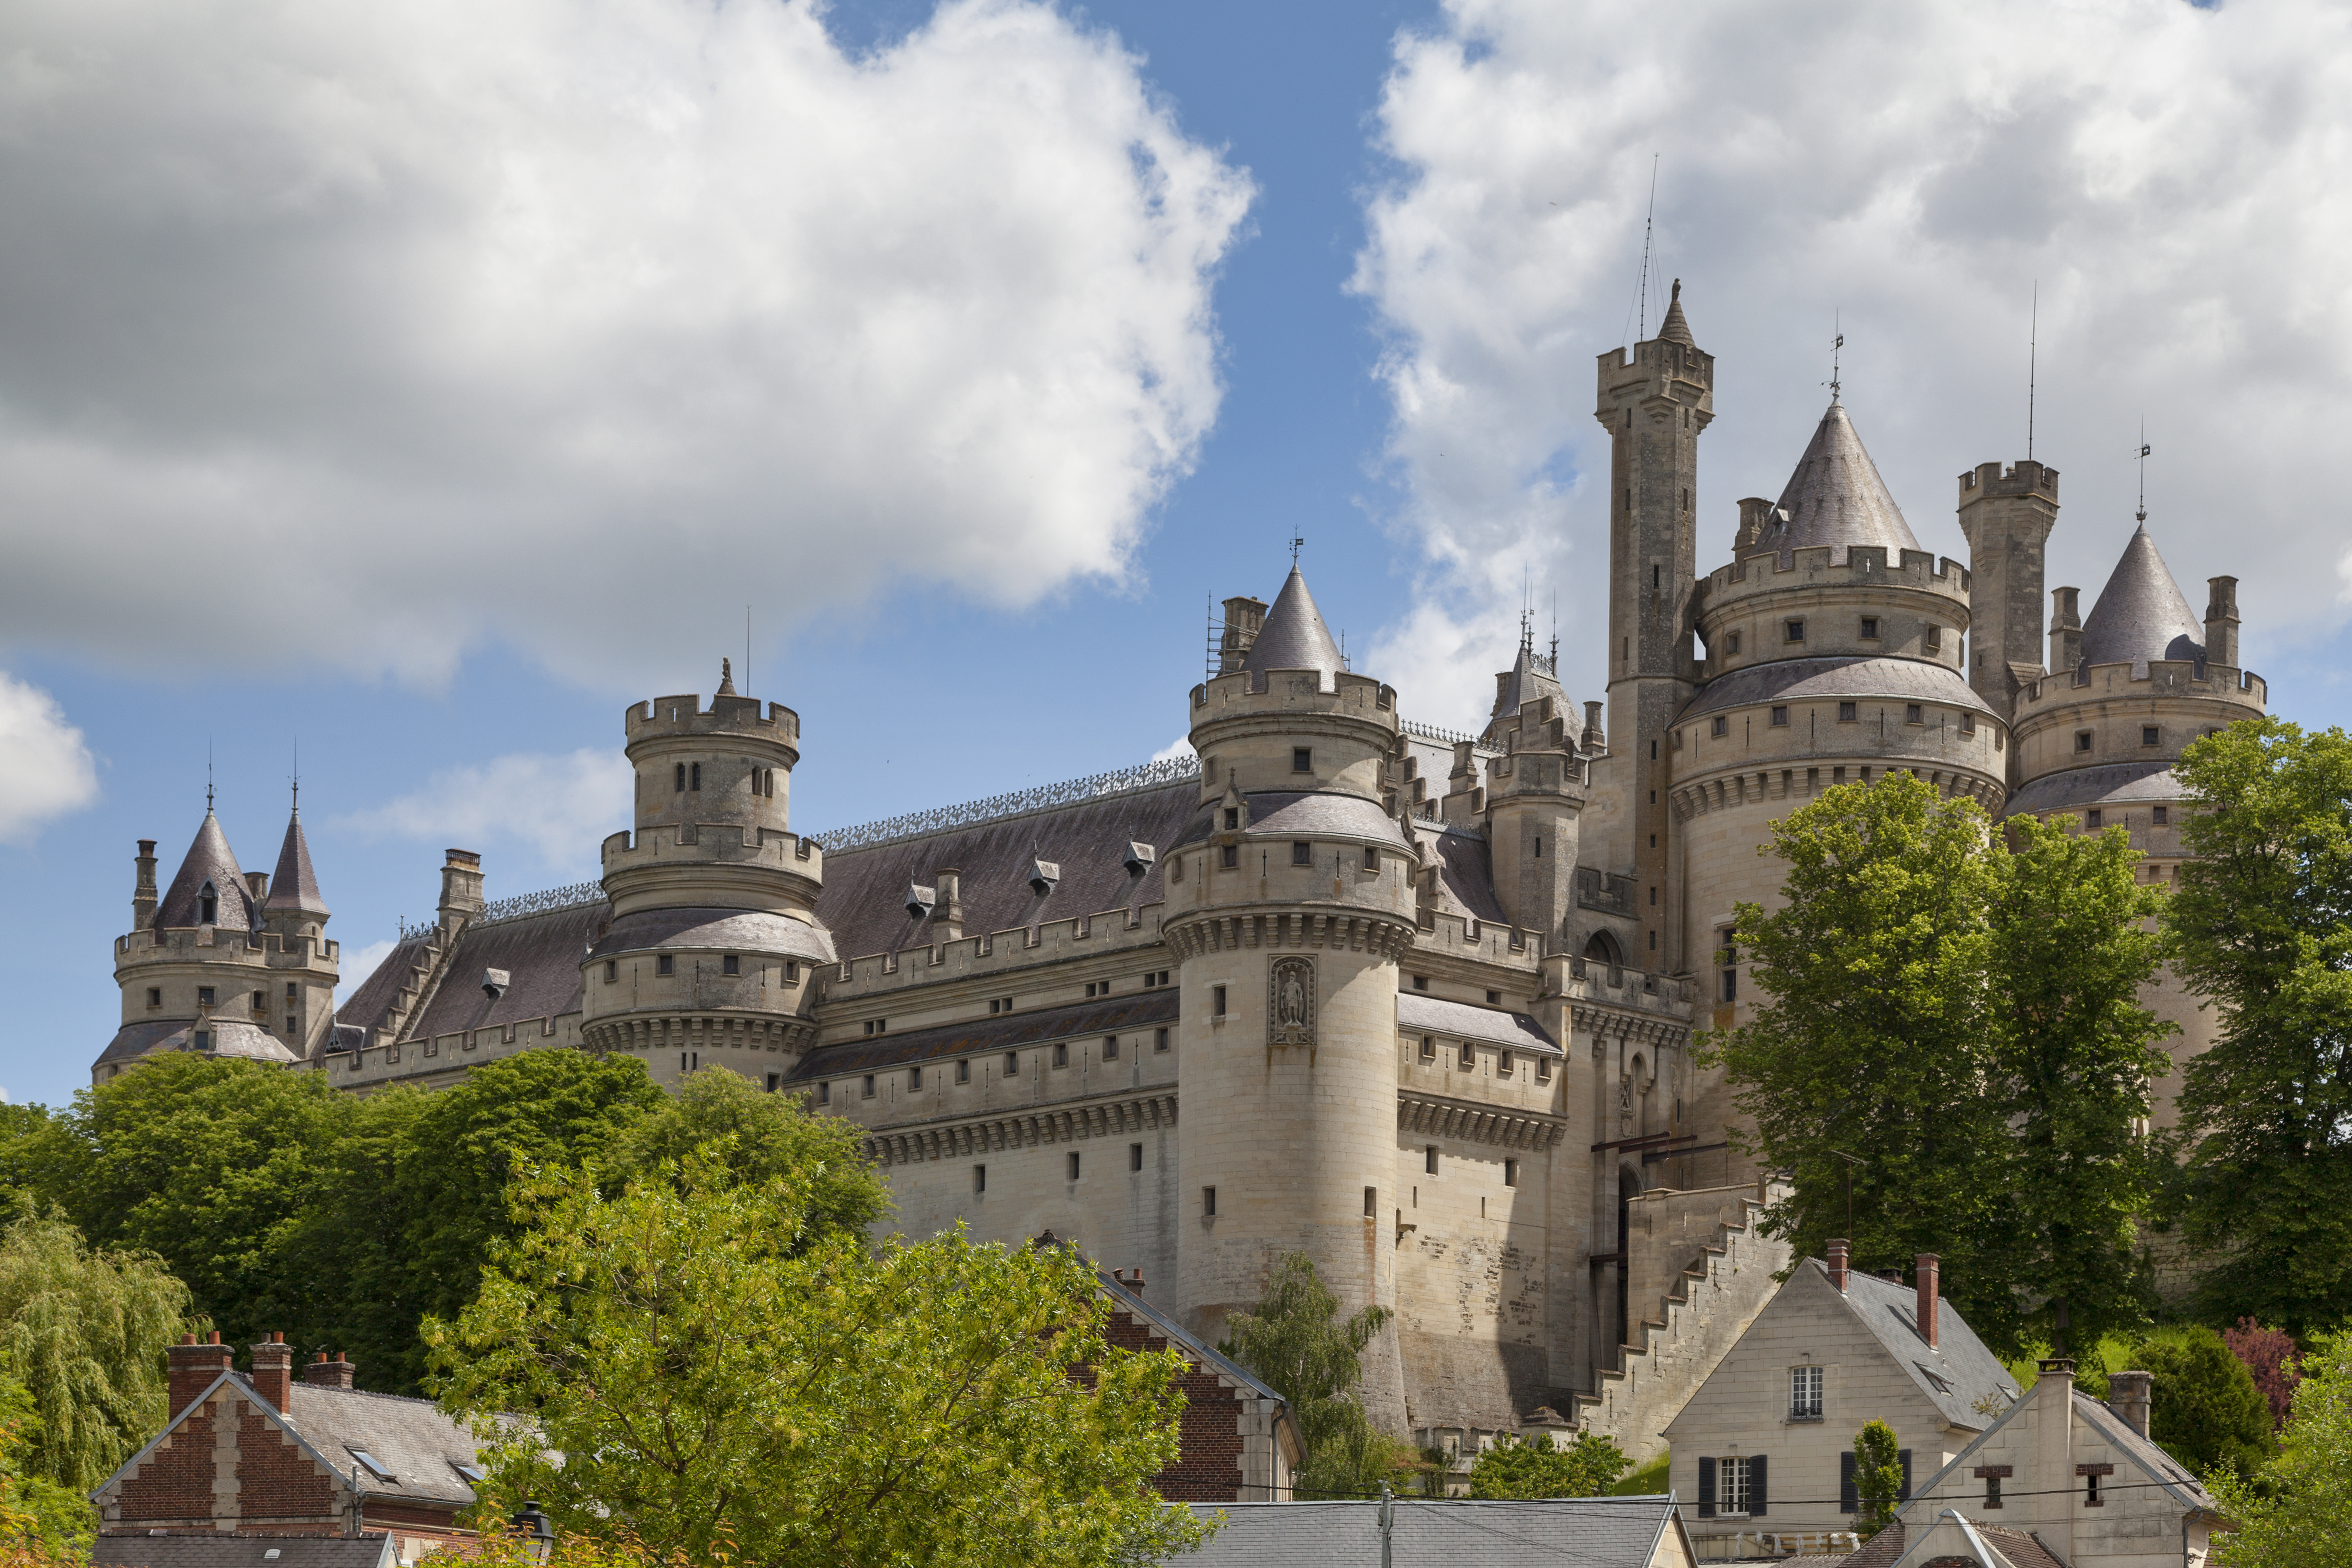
[1302,853]
[866,1087]
[665,964]
[207,906]
[203,995]
[914,1078]
[677,785]
[2162,815]
[980,1179]
[1915,713]
[824,1093]
[1732,644]
[1727,955]
[261,1004]
[292,991]
[1159,1039]
[1503,1064]
[1372,857]
[1217,1001]
[694,777]
[1429,1159]
[1110,1047]
[1209,1202]
[1869,627]
[1011,1064]
[2082,740]
[792,972]
[1967,723]
[1420,982]
[1429,1048]
[731,964]
[1062,1054]
[1796,630]
[1230,855]
[1510,1172]
[1135,1156]
[1543,1069]
[1847,714]
[1302,760]
[1780,717]
[963,1072]
[1721,725]
[773,1079]
[1073,1158]
[1372,1203]
[154,996]
[1933,638]
[1538,846]
[1233,818]
[2151,735]
[1469,1060]
[1494,998]
[2095,816]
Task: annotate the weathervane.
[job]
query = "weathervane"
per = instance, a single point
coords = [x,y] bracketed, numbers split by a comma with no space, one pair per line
[2144,450]
[1298,542]
[1835,349]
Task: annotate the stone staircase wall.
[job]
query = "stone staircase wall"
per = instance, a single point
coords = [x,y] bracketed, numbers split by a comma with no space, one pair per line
[1699,1272]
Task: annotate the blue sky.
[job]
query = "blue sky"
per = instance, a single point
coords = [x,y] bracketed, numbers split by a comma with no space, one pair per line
[1442,222]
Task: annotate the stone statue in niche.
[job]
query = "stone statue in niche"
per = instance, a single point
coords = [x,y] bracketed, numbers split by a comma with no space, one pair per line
[1290,1010]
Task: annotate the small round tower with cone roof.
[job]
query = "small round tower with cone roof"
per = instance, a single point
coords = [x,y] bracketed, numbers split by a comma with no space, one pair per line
[1287,906]
[710,956]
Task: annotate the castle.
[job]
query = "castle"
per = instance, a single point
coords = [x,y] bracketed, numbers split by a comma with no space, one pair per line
[1417,1004]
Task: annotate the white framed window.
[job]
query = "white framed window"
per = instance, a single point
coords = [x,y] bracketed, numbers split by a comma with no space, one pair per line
[1804,1394]
[1731,1486]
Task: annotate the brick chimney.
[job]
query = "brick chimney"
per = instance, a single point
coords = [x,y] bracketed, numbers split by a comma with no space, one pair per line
[2127,1396]
[325,1374]
[1925,1274]
[1838,1264]
[192,1368]
[273,1371]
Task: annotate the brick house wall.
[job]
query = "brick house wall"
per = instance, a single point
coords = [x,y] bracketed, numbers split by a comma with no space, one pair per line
[1210,1468]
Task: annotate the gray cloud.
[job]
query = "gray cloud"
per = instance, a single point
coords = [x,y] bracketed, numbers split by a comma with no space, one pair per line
[2170,175]
[365,334]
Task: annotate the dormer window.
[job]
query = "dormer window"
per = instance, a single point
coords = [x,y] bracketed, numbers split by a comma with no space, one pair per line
[1233,818]
[207,906]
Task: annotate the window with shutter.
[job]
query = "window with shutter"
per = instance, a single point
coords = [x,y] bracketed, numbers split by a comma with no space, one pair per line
[1903,1457]
[1706,1487]
[1755,1486]
[1849,1496]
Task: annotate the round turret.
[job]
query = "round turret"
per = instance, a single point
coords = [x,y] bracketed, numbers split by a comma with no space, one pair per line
[714,937]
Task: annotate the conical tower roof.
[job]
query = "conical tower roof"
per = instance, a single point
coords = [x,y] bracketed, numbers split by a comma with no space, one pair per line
[1294,636]
[209,860]
[294,887]
[2141,614]
[1675,328]
[1836,498]
[1520,687]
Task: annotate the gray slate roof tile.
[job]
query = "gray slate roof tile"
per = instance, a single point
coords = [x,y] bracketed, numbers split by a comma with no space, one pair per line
[541,955]
[411,1438]
[1003,1032]
[242,1549]
[1421,1014]
[1836,498]
[1557,1532]
[1294,636]
[1969,1374]
[2117,784]
[209,860]
[230,1037]
[1821,679]
[294,886]
[2141,614]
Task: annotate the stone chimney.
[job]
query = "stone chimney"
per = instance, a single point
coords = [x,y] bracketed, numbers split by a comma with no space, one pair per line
[273,1371]
[192,1368]
[1838,1253]
[2221,621]
[946,915]
[325,1374]
[143,891]
[1925,1274]
[1595,739]
[1244,618]
[2128,1394]
[461,890]
[256,883]
[2065,631]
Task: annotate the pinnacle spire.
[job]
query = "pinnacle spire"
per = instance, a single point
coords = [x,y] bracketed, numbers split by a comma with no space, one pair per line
[2141,614]
[1836,498]
[211,864]
[726,678]
[294,886]
[1676,328]
[1294,636]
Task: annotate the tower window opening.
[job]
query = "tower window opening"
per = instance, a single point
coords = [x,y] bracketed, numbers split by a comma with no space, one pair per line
[1209,1202]
[1915,713]
[292,991]
[1654,751]
[824,1093]
[1469,1059]
[1656,573]
[1302,853]
[1429,1159]
[1420,982]
[1135,1156]
[865,1089]
[2162,816]
[1503,1064]
[203,996]
[792,972]
[1731,644]
[731,964]
[1110,1047]
[1159,1039]
[2151,735]
[1371,858]
[2082,740]
[1543,1070]
[1728,954]
[1933,638]
[1233,818]
[1073,1164]
[694,777]
[207,906]
[1011,1064]
[1494,998]
[1302,760]
[1722,725]
[1869,626]
[1372,1203]
[2095,816]
[1780,717]
[1229,857]
[1062,1054]
[1429,1048]
[963,1071]
[154,996]
[1796,631]
[611,969]
[665,964]
[914,1078]
[261,1004]
[980,1179]
[1217,1001]
[1967,723]
[1848,713]
[1538,846]
[1510,1172]
[677,784]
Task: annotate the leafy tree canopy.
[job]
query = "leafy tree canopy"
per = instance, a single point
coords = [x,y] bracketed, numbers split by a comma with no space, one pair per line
[2204,1408]
[1588,1467]
[726,1377]
[2297,1510]
[1877,1476]
[1296,1342]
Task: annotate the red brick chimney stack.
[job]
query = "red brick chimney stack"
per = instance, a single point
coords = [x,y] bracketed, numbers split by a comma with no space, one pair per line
[192,1368]
[1925,1276]
[1837,1264]
[273,1371]
[325,1374]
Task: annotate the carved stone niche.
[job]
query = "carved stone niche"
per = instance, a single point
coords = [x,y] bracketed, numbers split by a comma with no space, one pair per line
[1290,1003]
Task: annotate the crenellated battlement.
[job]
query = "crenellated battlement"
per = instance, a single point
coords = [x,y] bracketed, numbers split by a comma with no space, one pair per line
[210,944]
[1865,566]
[1993,481]
[1351,695]
[2166,678]
[997,953]
[1252,728]
[715,841]
[684,717]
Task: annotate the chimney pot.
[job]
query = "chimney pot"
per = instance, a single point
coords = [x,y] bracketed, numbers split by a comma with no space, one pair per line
[1838,1251]
[325,1374]
[216,1338]
[192,1366]
[1925,1276]
[273,1371]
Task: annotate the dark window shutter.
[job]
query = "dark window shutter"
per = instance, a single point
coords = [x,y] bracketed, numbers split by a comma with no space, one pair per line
[1848,1495]
[1756,1487]
[1903,1457]
[1707,1488]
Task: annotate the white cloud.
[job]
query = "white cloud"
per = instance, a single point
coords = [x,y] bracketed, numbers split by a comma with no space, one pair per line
[46,770]
[556,807]
[379,331]
[1181,746]
[358,964]
[2172,176]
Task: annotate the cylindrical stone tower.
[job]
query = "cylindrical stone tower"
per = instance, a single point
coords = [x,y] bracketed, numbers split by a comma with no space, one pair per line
[708,961]
[1288,906]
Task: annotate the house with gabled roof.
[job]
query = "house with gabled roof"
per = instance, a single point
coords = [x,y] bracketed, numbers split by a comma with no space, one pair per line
[2079,1477]
[1765,1446]
[261,1453]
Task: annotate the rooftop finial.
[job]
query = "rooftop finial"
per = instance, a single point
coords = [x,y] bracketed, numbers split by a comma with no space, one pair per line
[298,778]
[1298,542]
[2032,363]
[1836,349]
[208,776]
[2144,449]
[726,678]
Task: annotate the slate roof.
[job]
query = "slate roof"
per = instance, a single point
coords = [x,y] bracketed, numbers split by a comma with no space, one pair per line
[1557,1532]
[1957,1376]
[1836,498]
[1676,328]
[2113,783]
[1465,876]
[413,1438]
[2141,614]
[230,1037]
[243,1549]
[1885,1549]
[1819,680]
[740,931]
[373,997]
[1144,1311]
[1294,636]
[1297,814]
[1524,685]
[1421,1014]
[541,955]
[2184,1488]
[864,901]
[209,860]
[294,886]
[1005,1032]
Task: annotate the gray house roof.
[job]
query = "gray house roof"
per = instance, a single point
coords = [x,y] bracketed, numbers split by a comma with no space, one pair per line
[1294,636]
[243,1549]
[2141,614]
[412,1439]
[225,1037]
[1965,1381]
[1557,1532]
[2154,1463]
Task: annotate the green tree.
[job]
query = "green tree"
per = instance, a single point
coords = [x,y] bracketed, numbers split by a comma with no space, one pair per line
[2261,924]
[759,1136]
[2297,1510]
[1296,1341]
[1588,1467]
[83,1333]
[718,1380]
[1877,1476]
[1953,1025]
[40,1521]
[2204,1408]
